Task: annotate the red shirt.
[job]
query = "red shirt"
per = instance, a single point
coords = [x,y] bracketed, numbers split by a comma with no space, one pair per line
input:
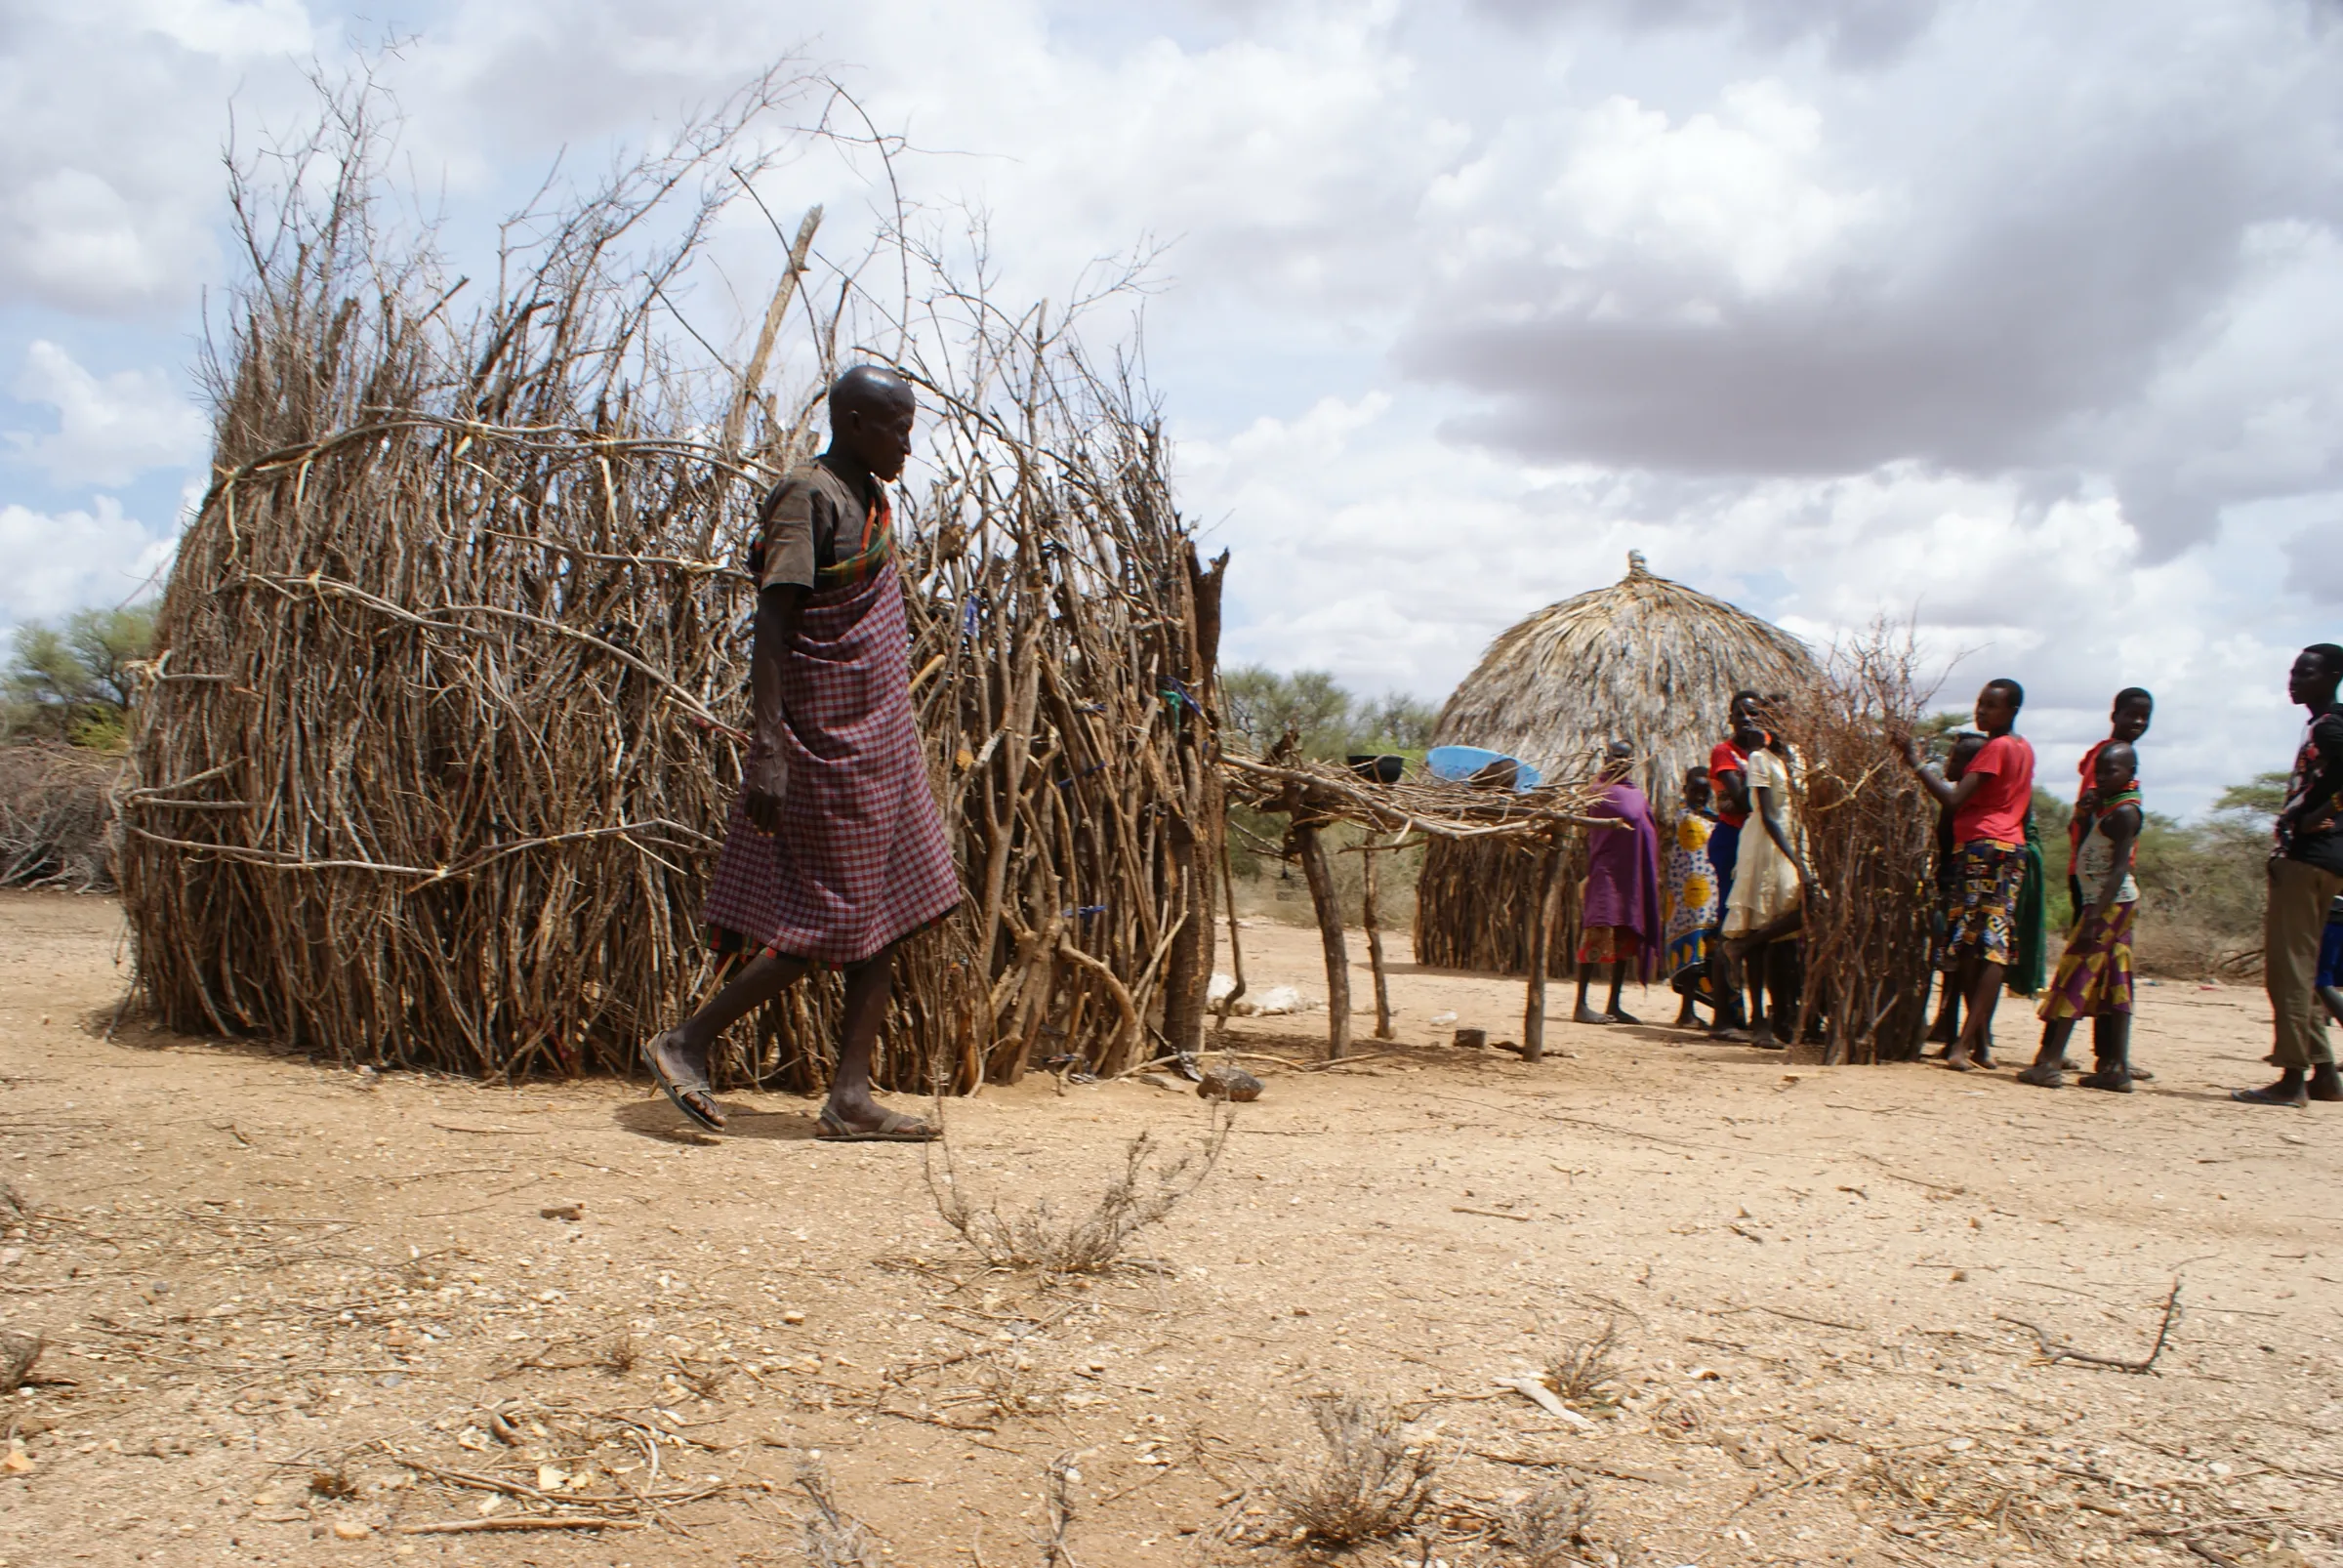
[2004,768]
[1727,758]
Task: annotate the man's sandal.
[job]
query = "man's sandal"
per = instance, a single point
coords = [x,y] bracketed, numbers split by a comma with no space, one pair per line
[681,1094]
[894,1128]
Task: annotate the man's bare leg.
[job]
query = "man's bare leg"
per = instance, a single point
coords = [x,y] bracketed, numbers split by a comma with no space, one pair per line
[1983,988]
[869,985]
[682,1053]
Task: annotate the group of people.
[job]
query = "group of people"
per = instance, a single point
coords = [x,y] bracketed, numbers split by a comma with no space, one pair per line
[837,852]
[1733,882]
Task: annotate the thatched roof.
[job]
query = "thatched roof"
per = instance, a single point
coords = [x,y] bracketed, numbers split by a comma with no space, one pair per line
[1645,660]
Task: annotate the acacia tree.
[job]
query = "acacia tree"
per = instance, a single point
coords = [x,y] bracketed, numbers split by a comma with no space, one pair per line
[74,682]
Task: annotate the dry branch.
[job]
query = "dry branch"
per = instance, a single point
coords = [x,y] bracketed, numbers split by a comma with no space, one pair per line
[2054,1351]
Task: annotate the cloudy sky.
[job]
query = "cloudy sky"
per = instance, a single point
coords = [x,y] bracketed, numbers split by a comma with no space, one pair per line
[2024,321]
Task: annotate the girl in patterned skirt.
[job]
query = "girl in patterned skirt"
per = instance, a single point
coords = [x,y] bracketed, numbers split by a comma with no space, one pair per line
[2094,977]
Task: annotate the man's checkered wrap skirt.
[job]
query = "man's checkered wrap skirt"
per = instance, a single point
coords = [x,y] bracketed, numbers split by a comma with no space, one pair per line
[861,859]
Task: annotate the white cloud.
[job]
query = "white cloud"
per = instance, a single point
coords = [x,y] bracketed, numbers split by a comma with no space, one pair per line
[2024,316]
[108,431]
[60,562]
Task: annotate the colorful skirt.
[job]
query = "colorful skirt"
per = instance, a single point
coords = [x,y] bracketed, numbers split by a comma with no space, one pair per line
[1981,907]
[1608,945]
[1692,901]
[2094,977]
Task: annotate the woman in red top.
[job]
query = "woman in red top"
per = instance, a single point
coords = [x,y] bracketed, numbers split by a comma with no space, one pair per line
[1988,847]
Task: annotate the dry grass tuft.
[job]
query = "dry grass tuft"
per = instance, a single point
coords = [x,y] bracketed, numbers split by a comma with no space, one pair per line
[13,1205]
[1586,1372]
[1372,1481]
[833,1537]
[336,1483]
[1151,1185]
[18,1354]
[1551,1528]
[620,1352]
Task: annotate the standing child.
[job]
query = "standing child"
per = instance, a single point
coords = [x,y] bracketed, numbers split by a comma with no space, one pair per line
[2127,721]
[1729,783]
[2094,977]
[1691,904]
[1947,1028]
[1766,909]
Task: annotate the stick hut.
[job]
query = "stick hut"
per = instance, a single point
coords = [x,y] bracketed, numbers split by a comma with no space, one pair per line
[452,685]
[1645,660]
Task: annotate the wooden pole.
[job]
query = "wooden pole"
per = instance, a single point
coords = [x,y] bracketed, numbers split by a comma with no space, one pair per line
[1533,1018]
[1321,878]
[1374,947]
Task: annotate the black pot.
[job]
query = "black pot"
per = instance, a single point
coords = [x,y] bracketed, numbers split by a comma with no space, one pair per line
[1379,769]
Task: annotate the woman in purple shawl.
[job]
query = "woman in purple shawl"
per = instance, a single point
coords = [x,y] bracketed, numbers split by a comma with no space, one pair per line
[1619,921]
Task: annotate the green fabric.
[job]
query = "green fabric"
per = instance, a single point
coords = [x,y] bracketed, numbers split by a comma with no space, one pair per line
[2030,958]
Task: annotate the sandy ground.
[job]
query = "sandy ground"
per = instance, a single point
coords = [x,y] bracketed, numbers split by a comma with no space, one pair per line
[299,1314]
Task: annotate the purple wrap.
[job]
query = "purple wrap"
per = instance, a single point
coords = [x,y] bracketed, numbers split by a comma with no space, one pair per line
[1623,874]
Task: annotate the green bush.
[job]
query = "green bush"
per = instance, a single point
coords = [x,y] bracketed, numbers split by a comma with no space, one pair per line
[75,684]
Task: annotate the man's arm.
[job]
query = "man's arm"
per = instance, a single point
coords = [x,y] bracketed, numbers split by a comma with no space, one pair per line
[778,609]
[2315,811]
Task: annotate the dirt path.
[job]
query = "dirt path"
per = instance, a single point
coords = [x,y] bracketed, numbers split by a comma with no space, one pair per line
[295,1312]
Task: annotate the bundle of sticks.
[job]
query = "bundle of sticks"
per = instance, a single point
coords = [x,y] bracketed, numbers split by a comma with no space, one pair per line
[451,702]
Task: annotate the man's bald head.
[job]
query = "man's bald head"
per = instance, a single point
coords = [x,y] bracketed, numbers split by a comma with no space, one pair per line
[873,388]
[871,410]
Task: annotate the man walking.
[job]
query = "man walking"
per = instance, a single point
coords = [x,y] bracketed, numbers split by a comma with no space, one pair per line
[2306,874]
[836,851]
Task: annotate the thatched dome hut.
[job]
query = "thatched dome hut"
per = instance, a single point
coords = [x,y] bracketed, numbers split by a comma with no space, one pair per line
[1645,660]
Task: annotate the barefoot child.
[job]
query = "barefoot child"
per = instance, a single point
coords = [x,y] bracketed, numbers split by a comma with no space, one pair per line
[1691,896]
[2094,977]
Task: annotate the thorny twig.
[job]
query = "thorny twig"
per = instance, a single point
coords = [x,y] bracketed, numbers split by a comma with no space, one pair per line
[2054,1351]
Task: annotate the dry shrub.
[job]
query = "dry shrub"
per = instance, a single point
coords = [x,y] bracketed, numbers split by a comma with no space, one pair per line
[1586,1372]
[1941,1490]
[619,1353]
[833,1537]
[18,1354]
[1150,1185]
[1372,1481]
[1869,832]
[56,817]
[1551,1528]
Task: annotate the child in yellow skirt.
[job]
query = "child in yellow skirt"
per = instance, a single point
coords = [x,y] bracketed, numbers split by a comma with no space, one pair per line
[2094,976]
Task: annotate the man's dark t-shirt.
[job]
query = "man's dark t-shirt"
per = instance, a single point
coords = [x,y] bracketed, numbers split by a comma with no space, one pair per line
[2317,780]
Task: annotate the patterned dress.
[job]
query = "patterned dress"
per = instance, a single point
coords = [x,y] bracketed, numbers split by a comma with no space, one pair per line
[1692,890]
[2094,974]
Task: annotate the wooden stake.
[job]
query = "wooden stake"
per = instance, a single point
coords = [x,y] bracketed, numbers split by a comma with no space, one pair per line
[1374,948]
[1533,1018]
[1321,878]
